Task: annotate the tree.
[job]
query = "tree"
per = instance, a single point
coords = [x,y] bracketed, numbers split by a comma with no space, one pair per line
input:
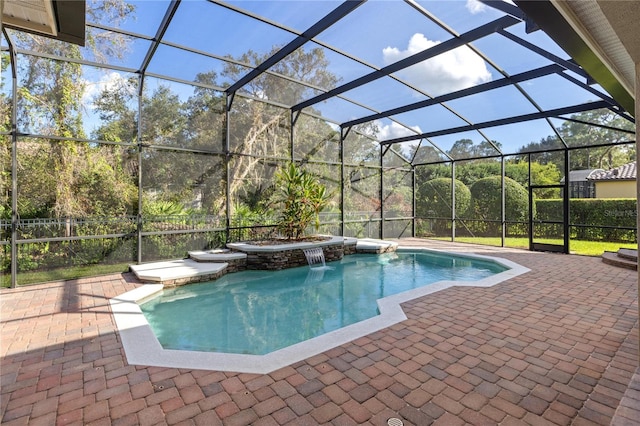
[609,128]
[177,177]
[578,133]
[162,124]
[5,142]
[120,122]
[50,103]
[259,130]
[471,171]
[425,153]
[361,146]
[465,148]
[310,66]
[541,174]
[205,113]
[548,150]
[462,148]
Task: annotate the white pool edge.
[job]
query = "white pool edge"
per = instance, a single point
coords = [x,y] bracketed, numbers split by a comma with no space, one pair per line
[143,348]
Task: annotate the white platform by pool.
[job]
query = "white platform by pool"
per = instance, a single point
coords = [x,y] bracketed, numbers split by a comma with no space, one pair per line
[371,245]
[216,256]
[172,270]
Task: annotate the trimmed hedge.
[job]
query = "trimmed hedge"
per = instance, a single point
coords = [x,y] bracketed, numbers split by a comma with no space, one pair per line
[486,204]
[434,198]
[592,213]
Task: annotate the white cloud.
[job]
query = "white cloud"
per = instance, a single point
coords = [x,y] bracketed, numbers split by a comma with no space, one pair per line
[454,70]
[109,81]
[394,130]
[475,6]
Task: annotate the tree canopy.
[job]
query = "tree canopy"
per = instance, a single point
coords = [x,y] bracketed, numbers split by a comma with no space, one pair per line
[172,139]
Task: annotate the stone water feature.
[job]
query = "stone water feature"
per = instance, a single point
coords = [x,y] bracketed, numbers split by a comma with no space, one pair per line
[212,264]
[288,255]
[315,256]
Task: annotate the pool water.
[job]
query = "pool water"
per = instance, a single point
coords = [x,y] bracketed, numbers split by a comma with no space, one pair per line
[258,312]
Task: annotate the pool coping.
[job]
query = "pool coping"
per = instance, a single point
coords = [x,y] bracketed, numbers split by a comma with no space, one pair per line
[141,346]
[254,248]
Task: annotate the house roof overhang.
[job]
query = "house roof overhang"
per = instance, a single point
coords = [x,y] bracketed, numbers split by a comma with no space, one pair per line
[601,36]
[62,19]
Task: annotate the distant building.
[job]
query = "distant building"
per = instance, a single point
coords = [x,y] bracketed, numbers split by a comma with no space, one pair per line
[619,182]
[579,184]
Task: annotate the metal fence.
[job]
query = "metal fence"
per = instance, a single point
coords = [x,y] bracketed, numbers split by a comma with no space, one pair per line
[47,246]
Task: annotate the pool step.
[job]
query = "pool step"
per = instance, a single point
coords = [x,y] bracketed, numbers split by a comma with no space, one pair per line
[628,254]
[624,258]
[177,272]
[218,255]
[371,245]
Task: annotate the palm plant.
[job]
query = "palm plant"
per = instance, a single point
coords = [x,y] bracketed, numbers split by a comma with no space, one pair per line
[319,200]
[302,199]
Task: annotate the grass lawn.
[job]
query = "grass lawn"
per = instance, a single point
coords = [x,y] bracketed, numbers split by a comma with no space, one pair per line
[587,248]
[26,278]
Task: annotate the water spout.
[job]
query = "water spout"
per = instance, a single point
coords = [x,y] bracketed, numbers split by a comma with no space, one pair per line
[315,256]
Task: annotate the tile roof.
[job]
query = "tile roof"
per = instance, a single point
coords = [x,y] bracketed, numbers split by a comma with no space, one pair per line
[624,172]
[581,175]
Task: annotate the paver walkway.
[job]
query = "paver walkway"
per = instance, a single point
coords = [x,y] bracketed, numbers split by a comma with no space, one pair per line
[557,345]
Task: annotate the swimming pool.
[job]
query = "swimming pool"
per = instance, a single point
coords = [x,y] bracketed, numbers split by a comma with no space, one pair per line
[142,346]
[258,312]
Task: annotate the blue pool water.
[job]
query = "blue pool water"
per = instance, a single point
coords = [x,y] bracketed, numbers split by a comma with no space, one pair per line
[257,312]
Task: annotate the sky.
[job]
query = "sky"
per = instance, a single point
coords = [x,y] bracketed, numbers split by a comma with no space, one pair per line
[380,33]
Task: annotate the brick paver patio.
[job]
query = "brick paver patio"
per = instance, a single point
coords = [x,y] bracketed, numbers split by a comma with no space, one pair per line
[557,345]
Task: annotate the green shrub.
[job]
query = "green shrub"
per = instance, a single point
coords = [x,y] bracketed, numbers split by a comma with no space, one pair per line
[433,200]
[592,213]
[486,204]
[164,208]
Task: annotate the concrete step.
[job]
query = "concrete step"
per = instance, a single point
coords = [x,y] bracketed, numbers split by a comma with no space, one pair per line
[372,245]
[612,258]
[216,256]
[177,272]
[628,254]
